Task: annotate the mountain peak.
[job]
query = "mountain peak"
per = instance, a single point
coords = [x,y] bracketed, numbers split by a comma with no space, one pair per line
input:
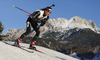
[60,24]
[81,20]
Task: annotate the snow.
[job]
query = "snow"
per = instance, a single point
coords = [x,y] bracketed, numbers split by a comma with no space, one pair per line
[97,57]
[8,52]
[61,24]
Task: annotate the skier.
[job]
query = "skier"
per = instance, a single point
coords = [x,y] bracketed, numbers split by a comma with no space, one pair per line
[39,16]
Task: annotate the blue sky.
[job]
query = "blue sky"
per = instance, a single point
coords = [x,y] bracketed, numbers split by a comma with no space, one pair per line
[14,18]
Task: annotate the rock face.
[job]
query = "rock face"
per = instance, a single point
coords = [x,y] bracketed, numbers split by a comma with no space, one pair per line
[62,24]
[61,27]
[13,34]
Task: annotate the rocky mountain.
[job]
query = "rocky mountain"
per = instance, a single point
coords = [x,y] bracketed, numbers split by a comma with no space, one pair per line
[62,24]
[13,34]
[61,34]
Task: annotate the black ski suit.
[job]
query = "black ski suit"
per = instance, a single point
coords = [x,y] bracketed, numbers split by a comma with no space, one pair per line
[32,23]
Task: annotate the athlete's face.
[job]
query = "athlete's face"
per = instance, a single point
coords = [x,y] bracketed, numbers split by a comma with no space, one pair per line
[47,13]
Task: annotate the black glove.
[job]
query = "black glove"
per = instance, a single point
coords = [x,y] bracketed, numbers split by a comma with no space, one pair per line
[36,20]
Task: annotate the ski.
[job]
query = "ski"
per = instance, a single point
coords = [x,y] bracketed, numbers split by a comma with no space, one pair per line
[31,49]
[25,49]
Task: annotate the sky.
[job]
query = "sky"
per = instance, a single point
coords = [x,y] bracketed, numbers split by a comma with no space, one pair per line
[14,18]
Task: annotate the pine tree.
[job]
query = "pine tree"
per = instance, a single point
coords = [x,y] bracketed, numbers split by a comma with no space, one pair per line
[1,29]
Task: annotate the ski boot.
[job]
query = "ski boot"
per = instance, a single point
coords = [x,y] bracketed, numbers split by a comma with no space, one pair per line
[32,45]
[17,42]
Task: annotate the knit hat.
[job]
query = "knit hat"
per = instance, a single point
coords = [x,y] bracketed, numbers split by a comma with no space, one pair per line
[48,9]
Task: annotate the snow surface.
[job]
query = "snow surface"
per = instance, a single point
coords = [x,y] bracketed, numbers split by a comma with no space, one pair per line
[8,52]
[96,58]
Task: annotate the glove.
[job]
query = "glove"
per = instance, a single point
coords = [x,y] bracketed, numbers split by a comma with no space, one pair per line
[36,20]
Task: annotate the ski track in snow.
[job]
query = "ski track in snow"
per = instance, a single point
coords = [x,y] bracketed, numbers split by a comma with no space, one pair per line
[8,52]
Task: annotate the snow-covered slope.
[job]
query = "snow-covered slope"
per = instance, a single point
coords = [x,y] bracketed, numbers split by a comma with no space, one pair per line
[8,52]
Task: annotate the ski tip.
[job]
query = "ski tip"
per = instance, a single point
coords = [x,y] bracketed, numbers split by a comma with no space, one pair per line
[13,5]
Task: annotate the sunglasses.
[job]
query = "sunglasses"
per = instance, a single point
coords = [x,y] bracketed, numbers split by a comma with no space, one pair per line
[49,11]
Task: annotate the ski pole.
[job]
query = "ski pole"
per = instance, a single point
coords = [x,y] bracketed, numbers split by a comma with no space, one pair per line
[22,10]
[26,11]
